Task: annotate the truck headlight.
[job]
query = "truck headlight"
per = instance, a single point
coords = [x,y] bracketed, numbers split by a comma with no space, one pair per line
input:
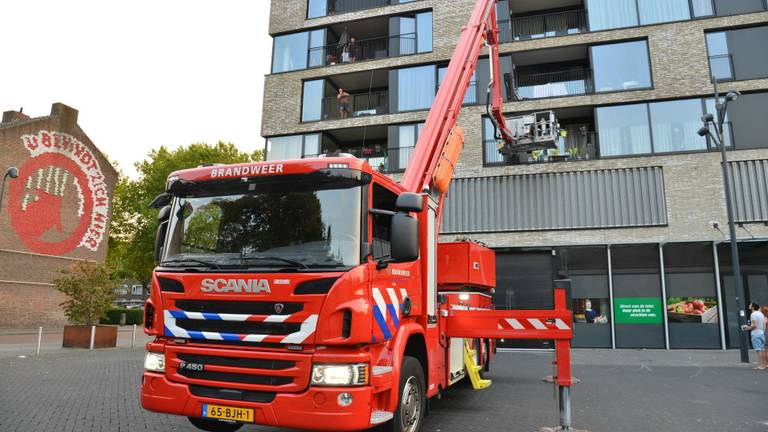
[340,374]
[154,362]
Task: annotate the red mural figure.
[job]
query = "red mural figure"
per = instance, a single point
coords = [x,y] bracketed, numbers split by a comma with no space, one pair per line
[60,201]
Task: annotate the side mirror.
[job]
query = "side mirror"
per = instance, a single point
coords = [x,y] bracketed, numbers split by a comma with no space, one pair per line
[404,237]
[162,229]
[161,200]
[410,202]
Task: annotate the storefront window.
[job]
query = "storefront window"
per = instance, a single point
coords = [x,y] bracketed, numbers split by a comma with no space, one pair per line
[753,258]
[637,304]
[692,308]
[587,268]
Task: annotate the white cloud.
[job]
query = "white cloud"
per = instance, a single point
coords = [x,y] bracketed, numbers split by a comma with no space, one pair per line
[143,73]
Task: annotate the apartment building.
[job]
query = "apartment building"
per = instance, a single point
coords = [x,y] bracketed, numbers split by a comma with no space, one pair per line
[630,205]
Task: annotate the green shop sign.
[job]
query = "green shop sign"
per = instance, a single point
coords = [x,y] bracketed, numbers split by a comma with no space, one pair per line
[638,310]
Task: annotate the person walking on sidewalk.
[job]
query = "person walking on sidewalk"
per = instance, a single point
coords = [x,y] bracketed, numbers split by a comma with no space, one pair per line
[756,329]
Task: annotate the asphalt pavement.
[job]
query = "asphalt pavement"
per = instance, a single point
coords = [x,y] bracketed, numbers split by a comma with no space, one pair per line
[625,390]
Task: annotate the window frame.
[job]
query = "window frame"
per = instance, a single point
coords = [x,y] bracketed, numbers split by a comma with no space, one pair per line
[617,42]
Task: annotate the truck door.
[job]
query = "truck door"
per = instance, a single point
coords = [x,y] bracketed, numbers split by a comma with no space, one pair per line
[390,286]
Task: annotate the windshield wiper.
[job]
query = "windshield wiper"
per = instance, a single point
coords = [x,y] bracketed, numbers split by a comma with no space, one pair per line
[275,258]
[192,260]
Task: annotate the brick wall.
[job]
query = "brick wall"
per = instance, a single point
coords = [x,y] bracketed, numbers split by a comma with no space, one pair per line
[679,62]
[45,220]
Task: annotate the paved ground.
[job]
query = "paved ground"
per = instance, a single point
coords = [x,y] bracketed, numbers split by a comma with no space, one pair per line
[621,391]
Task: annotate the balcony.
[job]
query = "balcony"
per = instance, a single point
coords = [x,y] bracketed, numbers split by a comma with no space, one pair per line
[577,141]
[355,105]
[364,49]
[369,144]
[525,19]
[555,72]
[554,84]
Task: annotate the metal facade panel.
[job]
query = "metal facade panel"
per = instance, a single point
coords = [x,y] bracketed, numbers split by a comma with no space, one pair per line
[750,190]
[570,200]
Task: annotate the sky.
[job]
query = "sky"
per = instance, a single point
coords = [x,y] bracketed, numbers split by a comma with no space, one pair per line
[142,73]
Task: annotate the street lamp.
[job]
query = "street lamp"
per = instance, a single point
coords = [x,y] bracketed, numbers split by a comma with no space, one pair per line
[11,172]
[722,108]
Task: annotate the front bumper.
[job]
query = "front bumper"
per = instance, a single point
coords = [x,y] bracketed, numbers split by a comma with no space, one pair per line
[315,409]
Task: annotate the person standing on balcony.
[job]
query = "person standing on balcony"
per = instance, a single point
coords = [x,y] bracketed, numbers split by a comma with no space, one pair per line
[352,50]
[343,98]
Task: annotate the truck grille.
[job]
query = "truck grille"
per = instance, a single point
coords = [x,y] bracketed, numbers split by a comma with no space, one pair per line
[237,362]
[232,394]
[237,374]
[238,327]
[239,307]
[236,377]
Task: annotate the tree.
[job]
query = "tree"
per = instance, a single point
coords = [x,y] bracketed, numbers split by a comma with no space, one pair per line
[134,224]
[90,290]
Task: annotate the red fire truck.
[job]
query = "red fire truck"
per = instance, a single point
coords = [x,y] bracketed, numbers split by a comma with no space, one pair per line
[313,294]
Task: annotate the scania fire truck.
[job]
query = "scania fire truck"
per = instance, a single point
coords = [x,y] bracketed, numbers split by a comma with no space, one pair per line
[314,294]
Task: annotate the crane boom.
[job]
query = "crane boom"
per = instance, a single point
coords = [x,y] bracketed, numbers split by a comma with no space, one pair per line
[481,30]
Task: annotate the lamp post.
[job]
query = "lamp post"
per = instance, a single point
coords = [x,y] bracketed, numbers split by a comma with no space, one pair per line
[11,172]
[721,105]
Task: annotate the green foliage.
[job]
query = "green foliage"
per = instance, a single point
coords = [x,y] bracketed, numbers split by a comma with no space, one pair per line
[90,291]
[132,316]
[134,224]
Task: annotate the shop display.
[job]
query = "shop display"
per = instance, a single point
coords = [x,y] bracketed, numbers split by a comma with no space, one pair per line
[698,310]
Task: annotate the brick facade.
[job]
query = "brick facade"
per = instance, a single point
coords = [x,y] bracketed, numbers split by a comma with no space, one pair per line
[679,63]
[57,211]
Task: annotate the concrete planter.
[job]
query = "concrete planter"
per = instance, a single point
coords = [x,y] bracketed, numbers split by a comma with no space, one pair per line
[79,336]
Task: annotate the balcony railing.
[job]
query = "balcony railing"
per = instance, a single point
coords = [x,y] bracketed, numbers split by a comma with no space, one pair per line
[543,25]
[355,105]
[343,6]
[573,147]
[364,49]
[554,84]
[722,67]
[386,160]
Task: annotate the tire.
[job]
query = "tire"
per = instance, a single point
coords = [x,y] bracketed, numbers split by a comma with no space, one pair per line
[412,399]
[486,358]
[214,425]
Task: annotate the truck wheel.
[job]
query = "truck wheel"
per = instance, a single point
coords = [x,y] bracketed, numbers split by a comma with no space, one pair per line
[214,425]
[486,358]
[412,403]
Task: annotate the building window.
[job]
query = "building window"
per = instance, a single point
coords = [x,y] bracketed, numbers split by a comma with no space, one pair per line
[692,306]
[587,268]
[621,66]
[312,100]
[738,54]
[137,290]
[317,8]
[611,14]
[290,52]
[402,141]
[293,147]
[660,11]
[424,32]
[674,126]
[608,14]
[415,88]
[623,130]
[734,7]
[637,305]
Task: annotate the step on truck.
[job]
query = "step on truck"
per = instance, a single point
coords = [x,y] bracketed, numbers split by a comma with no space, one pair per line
[314,294]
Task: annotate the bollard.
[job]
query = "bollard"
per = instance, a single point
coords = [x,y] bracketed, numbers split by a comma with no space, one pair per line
[133,337]
[93,336]
[565,408]
[39,340]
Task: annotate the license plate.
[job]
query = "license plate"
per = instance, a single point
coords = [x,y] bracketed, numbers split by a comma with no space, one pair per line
[228,413]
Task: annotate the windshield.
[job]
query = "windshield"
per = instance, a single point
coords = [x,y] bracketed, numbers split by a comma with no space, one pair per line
[300,225]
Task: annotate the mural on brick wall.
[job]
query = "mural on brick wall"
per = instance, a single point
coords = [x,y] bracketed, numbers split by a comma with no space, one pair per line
[60,200]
